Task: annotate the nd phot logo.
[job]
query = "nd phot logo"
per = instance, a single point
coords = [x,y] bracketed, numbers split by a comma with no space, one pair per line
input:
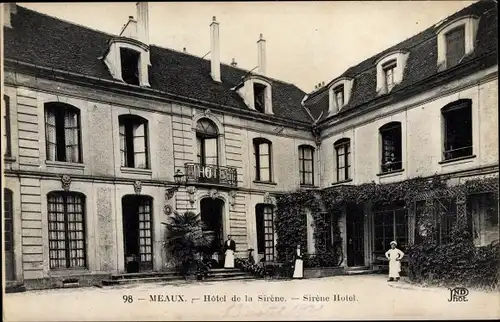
[458,294]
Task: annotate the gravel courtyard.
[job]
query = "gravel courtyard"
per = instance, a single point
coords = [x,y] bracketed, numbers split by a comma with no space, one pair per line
[341,297]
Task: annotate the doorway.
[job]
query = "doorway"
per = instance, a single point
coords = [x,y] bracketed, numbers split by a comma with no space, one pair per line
[8,232]
[137,233]
[211,216]
[355,235]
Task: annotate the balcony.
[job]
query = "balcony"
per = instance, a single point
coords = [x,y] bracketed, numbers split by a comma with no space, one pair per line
[211,174]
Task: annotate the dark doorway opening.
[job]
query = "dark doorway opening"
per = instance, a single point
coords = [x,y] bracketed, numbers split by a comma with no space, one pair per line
[355,235]
[137,233]
[211,216]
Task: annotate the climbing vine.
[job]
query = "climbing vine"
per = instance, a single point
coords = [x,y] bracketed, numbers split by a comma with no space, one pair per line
[428,193]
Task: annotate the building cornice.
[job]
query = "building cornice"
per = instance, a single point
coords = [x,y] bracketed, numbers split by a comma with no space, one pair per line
[146,93]
[408,91]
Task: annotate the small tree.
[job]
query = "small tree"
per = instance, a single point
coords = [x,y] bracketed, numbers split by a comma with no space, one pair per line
[185,241]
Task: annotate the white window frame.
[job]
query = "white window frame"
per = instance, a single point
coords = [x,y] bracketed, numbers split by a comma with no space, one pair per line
[247,93]
[400,57]
[470,24]
[347,83]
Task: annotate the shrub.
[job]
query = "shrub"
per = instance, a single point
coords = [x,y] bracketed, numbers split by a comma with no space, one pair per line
[457,263]
[245,266]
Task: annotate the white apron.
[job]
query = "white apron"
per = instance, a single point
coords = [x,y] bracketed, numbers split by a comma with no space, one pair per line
[229,259]
[298,271]
[394,265]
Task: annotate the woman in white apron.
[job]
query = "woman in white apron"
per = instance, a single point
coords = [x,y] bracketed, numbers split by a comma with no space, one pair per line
[229,249]
[394,256]
[298,271]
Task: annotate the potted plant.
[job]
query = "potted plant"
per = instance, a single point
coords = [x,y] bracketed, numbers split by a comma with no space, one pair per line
[185,241]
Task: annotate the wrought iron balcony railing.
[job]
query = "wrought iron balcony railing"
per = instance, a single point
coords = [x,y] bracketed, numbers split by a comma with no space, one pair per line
[208,173]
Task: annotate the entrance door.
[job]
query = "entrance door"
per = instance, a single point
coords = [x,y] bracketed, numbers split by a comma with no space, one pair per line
[8,235]
[211,216]
[355,236]
[137,233]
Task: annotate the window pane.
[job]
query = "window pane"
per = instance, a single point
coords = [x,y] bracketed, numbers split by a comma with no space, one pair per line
[211,151]
[50,134]
[265,174]
[71,136]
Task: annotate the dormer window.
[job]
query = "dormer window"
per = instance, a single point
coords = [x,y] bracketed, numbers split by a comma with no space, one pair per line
[130,66]
[455,46]
[259,94]
[339,96]
[256,92]
[455,40]
[339,93]
[390,71]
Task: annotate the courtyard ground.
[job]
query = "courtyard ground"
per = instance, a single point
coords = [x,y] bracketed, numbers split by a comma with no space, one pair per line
[333,298]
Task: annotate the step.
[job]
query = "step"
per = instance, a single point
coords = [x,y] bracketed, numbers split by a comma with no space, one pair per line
[144,275]
[140,280]
[360,272]
[225,270]
[222,274]
[357,268]
[229,278]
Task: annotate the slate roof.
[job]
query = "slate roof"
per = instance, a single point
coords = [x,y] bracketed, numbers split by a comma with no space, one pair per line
[421,64]
[50,42]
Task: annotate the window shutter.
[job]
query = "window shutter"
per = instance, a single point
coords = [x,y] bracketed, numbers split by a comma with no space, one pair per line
[71,136]
[139,139]
[123,146]
[50,135]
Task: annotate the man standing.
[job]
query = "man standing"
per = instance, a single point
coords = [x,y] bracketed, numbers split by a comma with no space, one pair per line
[229,249]
[394,256]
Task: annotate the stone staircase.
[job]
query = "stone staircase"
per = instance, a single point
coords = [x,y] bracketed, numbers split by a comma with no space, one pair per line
[216,274]
[360,270]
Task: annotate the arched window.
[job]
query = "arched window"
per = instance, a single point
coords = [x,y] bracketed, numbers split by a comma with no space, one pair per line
[63,133]
[263,159]
[343,159]
[391,147]
[67,240]
[457,122]
[133,141]
[207,142]
[306,165]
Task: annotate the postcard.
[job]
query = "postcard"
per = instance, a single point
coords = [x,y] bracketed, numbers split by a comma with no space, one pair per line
[316,160]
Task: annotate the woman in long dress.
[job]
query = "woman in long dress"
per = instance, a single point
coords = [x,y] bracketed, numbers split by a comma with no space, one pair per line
[394,256]
[229,249]
[298,271]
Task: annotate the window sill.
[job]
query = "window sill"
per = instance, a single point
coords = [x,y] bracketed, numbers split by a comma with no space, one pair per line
[308,186]
[341,182]
[67,165]
[9,159]
[265,182]
[136,171]
[460,160]
[390,173]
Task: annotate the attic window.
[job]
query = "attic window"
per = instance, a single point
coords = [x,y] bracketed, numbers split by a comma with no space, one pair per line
[259,93]
[389,71]
[455,46]
[456,40]
[339,92]
[339,96]
[130,66]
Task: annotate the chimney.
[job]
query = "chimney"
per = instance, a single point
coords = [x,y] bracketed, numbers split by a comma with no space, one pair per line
[214,50]
[261,55]
[9,9]
[143,22]
[184,50]
[234,63]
